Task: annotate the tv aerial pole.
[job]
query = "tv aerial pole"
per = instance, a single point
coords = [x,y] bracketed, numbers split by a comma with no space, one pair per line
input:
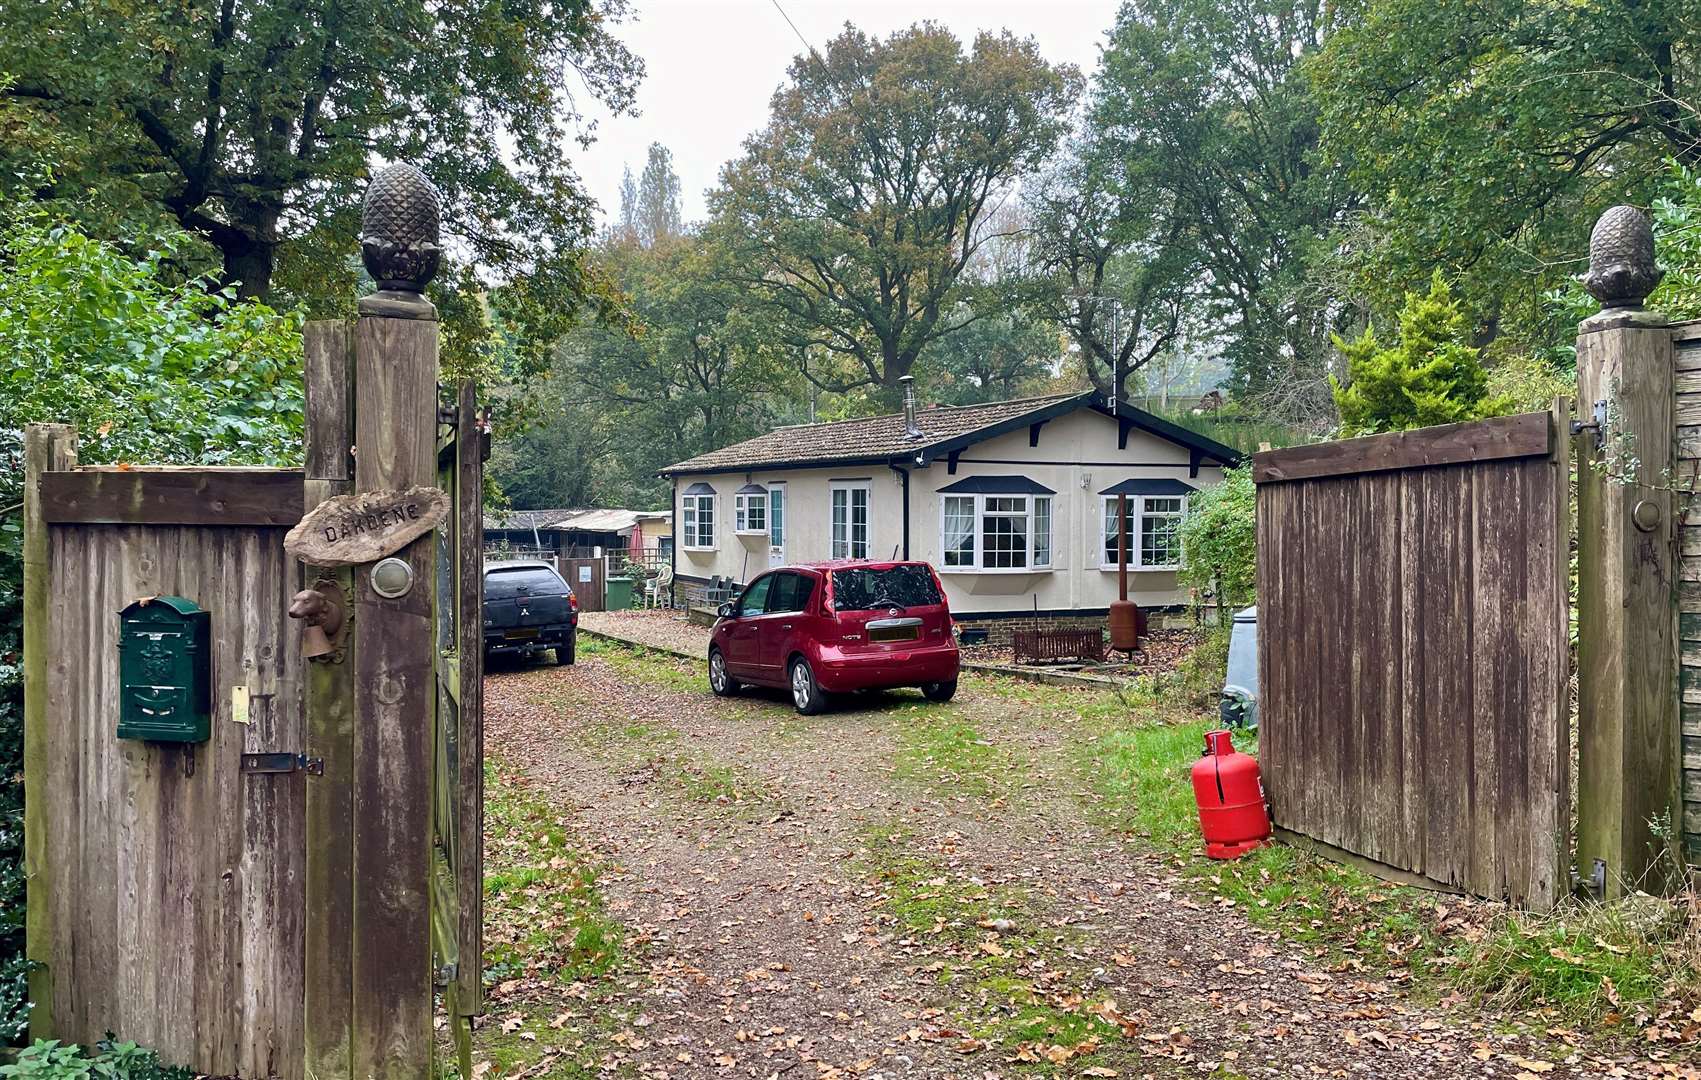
[1115,342]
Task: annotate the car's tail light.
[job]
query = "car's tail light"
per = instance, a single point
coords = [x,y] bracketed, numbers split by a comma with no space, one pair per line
[573,601]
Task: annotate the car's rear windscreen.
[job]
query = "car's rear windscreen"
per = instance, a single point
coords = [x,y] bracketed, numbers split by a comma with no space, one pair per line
[892,586]
[522,581]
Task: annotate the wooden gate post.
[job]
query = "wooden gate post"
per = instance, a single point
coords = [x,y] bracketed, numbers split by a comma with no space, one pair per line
[1626,601]
[327,1017]
[371,702]
[395,429]
[47,448]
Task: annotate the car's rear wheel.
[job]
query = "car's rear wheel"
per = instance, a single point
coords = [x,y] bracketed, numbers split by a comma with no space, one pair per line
[723,684]
[564,653]
[806,693]
[939,691]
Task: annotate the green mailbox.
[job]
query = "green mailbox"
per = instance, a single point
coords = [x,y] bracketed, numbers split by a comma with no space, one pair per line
[164,671]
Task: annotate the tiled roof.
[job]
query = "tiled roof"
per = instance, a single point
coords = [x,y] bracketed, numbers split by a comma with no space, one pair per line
[869,437]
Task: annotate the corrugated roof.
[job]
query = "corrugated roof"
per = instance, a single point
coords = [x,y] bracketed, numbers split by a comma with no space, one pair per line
[599,521]
[584,520]
[524,519]
[869,437]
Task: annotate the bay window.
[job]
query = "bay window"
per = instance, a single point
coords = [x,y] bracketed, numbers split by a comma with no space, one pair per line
[1155,510]
[750,510]
[697,518]
[959,545]
[995,523]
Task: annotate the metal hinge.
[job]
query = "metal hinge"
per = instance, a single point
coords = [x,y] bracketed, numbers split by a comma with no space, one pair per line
[1594,426]
[282,763]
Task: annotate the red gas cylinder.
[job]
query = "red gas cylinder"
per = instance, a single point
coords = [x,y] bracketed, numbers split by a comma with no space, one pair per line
[1230,793]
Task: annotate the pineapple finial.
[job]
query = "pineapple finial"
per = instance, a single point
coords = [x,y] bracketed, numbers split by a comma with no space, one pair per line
[400,232]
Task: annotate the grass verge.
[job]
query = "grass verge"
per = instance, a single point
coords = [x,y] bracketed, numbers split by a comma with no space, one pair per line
[649,665]
[940,746]
[721,785]
[1634,967]
[551,948]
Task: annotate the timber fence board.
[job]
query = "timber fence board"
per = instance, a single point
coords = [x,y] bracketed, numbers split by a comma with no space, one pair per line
[1518,436]
[592,593]
[1413,653]
[469,715]
[47,447]
[172,496]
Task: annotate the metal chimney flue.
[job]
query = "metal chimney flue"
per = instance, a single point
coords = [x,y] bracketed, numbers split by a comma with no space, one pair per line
[911,429]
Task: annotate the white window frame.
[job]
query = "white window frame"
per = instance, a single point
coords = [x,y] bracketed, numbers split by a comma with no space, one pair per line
[691,508]
[777,521]
[978,564]
[1136,530]
[850,543]
[743,503]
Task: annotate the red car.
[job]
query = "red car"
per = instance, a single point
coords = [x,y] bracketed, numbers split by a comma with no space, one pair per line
[828,628]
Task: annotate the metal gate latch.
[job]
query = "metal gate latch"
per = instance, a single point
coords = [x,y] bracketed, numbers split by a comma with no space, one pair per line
[282,763]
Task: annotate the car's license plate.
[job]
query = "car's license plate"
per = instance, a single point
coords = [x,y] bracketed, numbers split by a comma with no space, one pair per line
[521,635]
[894,633]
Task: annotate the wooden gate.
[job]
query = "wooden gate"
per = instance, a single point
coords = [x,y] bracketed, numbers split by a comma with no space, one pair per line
[287,915]
[165,883]
[1413,654]
[588,577]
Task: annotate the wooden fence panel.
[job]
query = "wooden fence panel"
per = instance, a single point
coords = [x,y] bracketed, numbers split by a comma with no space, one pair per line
[175,880]
[1413,653]
[1686,363]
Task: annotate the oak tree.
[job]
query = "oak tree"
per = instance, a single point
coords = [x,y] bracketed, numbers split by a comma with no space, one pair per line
[854,212]
[1209,103]
[253,124]
[1489,135]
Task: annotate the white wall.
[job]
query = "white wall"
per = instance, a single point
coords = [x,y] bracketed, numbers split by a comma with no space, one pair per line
[1077,457]
[807,526]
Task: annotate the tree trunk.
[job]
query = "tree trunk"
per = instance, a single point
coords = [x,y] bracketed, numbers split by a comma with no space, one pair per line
[249,246]
[248,267]
[895,365]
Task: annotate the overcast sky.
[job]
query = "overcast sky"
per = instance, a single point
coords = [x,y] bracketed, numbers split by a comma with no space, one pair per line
[713,65]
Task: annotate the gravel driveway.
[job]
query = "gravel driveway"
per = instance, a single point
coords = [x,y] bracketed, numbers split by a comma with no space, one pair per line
[806,897]
[658,628]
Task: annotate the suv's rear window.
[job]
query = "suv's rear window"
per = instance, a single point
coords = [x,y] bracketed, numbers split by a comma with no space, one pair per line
[894,586]
[528,581]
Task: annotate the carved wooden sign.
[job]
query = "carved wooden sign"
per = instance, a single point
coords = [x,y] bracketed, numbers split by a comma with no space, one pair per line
[367,526]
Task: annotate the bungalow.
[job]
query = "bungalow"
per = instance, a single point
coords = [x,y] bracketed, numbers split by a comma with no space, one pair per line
[1013,502]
